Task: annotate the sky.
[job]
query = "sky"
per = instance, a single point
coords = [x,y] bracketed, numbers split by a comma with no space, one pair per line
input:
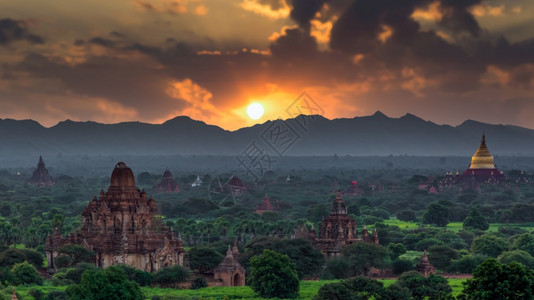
[152,60]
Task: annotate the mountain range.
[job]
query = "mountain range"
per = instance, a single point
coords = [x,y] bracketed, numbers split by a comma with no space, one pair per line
[372,135]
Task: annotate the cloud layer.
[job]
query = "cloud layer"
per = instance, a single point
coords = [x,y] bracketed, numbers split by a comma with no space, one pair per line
[159,59]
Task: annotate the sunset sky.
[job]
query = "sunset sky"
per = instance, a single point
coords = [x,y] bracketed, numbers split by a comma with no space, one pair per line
[151,60]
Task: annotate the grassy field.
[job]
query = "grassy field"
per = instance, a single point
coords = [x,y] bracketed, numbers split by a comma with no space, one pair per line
[308,289]
[458,226]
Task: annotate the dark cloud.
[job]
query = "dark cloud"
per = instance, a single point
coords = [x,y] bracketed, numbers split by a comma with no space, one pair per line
[117,34]
[102,42]
[295,44]
[13,30]
[456,16]
[304,10]
[273,4]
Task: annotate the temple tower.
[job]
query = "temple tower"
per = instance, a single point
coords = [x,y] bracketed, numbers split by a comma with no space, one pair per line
[121,228]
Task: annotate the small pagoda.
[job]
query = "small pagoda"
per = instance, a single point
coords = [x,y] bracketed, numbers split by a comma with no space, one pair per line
[230,272]
[425,267]
[40,176]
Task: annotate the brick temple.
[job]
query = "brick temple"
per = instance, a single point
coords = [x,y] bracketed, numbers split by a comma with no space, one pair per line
[337,231]
[121,228]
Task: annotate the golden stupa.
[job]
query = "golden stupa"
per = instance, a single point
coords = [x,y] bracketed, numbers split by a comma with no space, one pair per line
[482,158]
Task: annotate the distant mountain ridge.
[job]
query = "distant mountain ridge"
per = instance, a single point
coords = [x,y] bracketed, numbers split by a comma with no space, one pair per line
[377,134]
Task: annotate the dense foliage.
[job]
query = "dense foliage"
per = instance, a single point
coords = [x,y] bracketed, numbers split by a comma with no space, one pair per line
[110,283]
[274,275]
[493,280]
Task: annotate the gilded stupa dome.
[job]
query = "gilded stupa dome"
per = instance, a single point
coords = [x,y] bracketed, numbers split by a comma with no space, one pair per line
[482,158]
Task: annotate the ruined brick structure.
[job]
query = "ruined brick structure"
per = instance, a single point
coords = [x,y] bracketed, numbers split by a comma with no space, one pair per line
[121,228]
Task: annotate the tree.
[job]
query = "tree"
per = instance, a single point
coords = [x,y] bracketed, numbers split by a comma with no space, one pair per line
[365,288]
[433,286]
[25,273]
[142,278]
[338,267]
[406,215]
[198,283]
[361,257]
[170,276]
[309,260]
[490,245]
[75,274]
[110,283]
[475,220]
[359,288]
[274,275]
[519,256]
[395,250]
[524,242]
[436,214]
[337,291]
[204,259]
[401,265]
[492,280]
[467,264]
[77,253]
[11,256]
[441,256]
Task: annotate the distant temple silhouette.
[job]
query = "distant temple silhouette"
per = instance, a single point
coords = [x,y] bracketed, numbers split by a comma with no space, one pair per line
[121,228]
[167,184]
[266,206]
[40,176]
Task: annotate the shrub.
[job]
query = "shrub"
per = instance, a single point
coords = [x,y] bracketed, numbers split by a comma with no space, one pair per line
[25,273]
[170,276]
[198,283]
[36,294]
[401,265]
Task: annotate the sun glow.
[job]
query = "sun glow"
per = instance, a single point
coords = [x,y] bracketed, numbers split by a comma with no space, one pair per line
[255,111]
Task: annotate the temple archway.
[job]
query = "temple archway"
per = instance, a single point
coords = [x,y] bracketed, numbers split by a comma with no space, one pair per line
[237,280]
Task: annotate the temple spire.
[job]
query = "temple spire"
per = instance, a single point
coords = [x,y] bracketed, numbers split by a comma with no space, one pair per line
[482,158]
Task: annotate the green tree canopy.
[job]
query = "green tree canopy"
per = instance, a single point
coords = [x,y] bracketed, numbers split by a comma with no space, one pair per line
[475,220]
[489,244]
[436,214]
[110,284]
[274,275]
[204,259]
[492,280]
[309,260]
[441,256]
[524,242]
[420,287]
[170,276]
[25,273]
[361,257]
[519,256]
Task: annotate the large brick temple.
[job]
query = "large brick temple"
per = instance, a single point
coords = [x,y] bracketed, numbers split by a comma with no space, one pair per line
[121,228]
